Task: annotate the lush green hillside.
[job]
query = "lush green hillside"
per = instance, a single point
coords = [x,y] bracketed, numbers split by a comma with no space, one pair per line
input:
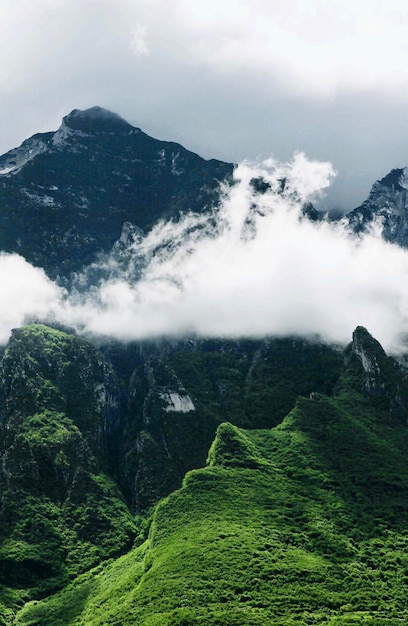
[60,511]
[304,523]
[87,440]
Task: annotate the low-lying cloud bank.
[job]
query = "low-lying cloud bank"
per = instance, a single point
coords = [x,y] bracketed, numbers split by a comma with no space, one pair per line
[253,267]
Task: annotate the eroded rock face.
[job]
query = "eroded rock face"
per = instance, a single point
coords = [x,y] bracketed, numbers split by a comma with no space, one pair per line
[368,350]
[181,391]
[381,378]
[386,208]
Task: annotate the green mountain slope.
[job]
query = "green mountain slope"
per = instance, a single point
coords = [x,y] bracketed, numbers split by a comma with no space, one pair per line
[252,384]
[304,523]
[60,512]
[87,439]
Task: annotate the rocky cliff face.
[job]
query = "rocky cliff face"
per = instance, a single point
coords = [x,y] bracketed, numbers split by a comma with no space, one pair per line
[65,195]
[179,392]
[387,207]
[382,379]
[98,182]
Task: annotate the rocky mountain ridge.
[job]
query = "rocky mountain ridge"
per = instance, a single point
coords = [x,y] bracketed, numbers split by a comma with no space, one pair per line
[65,195]
[69,195]
[387,207]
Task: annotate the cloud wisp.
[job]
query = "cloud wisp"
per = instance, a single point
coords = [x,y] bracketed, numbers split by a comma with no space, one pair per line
[253,267]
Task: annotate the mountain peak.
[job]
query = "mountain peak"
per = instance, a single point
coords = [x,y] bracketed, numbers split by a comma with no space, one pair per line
[84,181]
[95,119]
[387,207]
[397,179]
[367,349]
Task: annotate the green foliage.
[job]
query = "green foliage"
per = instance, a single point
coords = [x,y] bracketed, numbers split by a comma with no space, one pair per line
[249,383]
[45,368]
[254,384]
[232,447]
[60,513]
[101,590]
[302,524]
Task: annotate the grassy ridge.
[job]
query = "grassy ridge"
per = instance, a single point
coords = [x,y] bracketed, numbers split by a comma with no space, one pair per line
[250,383]
[302,524]
[62,421]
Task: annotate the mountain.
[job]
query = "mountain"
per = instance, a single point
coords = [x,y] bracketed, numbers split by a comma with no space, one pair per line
[99,182]
[187,481]
[302,523]
[88,439]
[386,206]
[60,511]
[178,393]
[65,195]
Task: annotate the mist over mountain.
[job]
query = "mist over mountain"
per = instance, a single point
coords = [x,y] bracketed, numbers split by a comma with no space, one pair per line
[140,239]
[186,429]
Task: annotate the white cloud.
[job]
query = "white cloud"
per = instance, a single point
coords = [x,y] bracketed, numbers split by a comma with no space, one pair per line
[253,267]
[138,41]
[314,48]
[309,48]
[25,291]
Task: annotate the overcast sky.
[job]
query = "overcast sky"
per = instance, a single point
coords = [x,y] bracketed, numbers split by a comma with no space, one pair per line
[230,79]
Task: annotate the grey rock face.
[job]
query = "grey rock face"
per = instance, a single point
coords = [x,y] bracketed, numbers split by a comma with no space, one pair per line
[65,195]
[380,377]
[386,207]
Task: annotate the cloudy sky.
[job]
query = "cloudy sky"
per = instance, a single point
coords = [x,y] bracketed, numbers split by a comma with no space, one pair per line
[230,79]
[234,80]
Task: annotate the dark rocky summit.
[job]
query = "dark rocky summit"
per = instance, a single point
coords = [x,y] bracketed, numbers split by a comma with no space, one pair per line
[65,195]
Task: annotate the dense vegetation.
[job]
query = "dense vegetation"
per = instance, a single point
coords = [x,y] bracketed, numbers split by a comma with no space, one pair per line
[252,384]
[60,511]
[301,523]
[274,531]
